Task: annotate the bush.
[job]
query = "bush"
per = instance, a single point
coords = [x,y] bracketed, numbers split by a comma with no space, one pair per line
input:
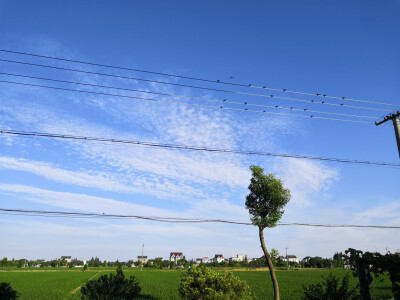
[112,287]
[203,283]
[7,292]
[329,289]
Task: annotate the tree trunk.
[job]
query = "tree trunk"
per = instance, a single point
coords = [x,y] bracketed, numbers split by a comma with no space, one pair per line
[362,279]
[270,266]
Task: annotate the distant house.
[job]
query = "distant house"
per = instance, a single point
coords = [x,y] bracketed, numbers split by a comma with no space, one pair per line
[175,256]
[198,260]
[290,258]
[238,258]
[305,259]
[142,259]
[205,260]
[41,260]
[66,258]
[218,258]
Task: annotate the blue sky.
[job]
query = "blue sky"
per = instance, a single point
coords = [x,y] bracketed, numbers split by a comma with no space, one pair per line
[339,48]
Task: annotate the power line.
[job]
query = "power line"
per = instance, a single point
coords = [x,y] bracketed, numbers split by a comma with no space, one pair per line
[63,214]
[186,97]
[185,103]
[196,78]
[193,86]
[192,148]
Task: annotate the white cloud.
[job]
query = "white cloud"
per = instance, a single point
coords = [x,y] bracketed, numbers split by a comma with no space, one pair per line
[388,214]
[306,179]
[81,202]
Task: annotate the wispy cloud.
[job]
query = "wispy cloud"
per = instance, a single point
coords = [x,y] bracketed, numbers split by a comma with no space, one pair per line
[81,202]
[210,185]
[306,179]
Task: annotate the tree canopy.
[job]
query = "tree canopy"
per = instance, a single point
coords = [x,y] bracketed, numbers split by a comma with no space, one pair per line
[205,283]
[266,199]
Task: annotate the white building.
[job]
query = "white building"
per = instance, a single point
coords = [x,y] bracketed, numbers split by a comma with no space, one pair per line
[175,256]
[238,258]
[290,258]
[305,259]
[205,260]
[66,258]
[142,259]
[218,258]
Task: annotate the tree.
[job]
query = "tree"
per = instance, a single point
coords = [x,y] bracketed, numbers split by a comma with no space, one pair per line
[181,262]
[206,283]
[265,203]
[329,289]
[274,255]
[7,292]
[4,262]
[365,264]
[112,287]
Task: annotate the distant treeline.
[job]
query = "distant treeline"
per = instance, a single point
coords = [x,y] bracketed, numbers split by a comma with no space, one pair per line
[311,262]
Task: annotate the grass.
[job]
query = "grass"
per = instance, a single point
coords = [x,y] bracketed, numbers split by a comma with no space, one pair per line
[45,284]
[164,284]
[291,282]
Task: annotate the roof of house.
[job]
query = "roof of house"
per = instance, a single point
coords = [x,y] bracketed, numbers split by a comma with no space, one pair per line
[142,256]
[175,253]
[65,256]
[284,257]
[218,255]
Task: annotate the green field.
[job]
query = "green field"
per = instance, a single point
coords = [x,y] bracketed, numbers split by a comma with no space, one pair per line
[158,284]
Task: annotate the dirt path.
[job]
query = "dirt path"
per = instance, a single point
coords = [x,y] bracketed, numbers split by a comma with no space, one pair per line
[78,288]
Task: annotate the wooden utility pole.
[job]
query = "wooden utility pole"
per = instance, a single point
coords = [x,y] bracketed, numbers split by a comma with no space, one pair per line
[396,124]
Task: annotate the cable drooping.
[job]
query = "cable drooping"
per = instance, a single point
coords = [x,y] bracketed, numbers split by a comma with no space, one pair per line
[196,78]
[193,86]
[185,103]
[186,97]
[63,214]
[193,148]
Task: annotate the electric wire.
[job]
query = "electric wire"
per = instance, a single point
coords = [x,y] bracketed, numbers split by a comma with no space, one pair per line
[185,103]
[63,214]
[186,97]
[194,87]
[195,78]
[192,148]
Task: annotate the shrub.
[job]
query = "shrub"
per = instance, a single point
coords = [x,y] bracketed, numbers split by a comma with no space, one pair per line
[7,292]
[203,283]
[329,289]
[112,287]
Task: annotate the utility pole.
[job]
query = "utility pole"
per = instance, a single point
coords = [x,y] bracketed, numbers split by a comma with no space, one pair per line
[141,265]
[287,260]
[396,124]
